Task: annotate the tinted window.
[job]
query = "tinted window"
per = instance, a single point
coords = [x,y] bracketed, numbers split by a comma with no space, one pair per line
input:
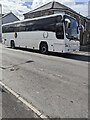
[46,24]
[9,28]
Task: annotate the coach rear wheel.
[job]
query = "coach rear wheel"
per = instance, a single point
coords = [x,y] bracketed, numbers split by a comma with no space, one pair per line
[12,44]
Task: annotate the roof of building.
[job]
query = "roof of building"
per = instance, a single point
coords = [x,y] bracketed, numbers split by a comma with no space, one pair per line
[54,5]
[4,15]
[50,5]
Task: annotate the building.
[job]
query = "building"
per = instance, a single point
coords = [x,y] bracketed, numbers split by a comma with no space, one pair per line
[89,9]
[55,7]
[9,17]
[47,9]
[0,23]
[6,18]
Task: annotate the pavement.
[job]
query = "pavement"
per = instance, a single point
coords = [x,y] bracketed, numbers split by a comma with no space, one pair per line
[13,108]
[85,48]
[84,53]
[0,104]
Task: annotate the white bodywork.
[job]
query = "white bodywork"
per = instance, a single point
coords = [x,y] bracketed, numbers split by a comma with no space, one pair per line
[33,39]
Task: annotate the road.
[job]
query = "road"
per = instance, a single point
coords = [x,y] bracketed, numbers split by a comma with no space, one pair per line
[57,85]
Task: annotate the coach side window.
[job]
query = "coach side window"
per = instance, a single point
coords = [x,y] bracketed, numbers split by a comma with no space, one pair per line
[47,24]
[8,29]
[3,29]
[59,31]
[29,25]
[11,29]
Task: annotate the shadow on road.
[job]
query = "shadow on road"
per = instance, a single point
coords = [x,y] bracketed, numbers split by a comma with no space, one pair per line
[63,55]
[72,56]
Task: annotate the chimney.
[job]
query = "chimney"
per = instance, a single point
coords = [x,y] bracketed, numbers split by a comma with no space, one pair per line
[89,9]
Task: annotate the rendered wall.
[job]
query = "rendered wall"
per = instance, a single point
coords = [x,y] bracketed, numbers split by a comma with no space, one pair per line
[89,8]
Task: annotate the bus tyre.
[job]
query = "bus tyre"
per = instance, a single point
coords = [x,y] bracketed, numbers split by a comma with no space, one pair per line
[12,44]
[43,48]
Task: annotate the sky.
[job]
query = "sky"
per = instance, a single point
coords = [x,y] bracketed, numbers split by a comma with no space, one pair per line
[19,7]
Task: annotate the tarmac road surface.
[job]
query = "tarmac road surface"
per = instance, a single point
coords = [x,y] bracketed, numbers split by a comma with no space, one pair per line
[56,85]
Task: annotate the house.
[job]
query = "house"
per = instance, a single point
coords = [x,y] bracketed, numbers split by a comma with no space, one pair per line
[55,7]
[89,9]
[9,17]
[6,18]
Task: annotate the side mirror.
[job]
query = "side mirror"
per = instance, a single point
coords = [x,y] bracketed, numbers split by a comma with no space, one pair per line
[81,27]
[69,24]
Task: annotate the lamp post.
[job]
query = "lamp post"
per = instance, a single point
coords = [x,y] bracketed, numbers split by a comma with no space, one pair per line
[0,23]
